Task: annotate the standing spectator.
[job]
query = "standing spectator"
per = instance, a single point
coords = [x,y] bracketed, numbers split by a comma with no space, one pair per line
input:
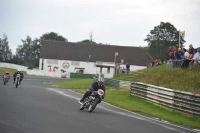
[127,67]
[122,67]
[185,54]
[196,57]
[117,66]
[177,58]
[185,63]
[191,51]
[180,52]
[171,55]
[177,54]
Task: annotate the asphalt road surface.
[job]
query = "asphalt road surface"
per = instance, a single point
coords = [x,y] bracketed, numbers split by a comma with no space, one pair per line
[34,107]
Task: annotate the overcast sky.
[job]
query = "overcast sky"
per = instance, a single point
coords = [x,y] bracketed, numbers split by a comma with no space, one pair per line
[115,22]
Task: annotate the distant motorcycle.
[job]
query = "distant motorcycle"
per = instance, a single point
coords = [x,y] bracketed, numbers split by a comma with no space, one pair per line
[18,76]
[5,79]
[92,100]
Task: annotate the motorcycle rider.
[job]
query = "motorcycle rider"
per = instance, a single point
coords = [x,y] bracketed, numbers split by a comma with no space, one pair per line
[99,84]
[21,75]
[7,74]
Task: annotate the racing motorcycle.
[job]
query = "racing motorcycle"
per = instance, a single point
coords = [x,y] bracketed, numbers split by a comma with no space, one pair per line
[92,100]
[5,79]
[18,76]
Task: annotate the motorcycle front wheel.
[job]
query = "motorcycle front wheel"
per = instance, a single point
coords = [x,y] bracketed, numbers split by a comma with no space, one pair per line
[4,81]
[17,83]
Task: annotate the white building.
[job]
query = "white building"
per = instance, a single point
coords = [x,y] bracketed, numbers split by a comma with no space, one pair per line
[59,58]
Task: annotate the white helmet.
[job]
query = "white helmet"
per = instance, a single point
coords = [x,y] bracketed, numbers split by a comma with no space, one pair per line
[100,81]
[19,70]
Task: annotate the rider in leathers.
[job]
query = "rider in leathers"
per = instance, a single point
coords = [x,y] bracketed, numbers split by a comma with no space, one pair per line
[21,75]
[94,87]
[7,74]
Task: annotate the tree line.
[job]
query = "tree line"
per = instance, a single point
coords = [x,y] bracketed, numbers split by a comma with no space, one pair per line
[28,53]
[160,40]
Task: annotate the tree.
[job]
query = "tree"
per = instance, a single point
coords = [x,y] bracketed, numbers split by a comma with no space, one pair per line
[161,39]
[28,53]
[5,51]
[91,37]
[91,40]
[36,45]
[53,36]
[87,41]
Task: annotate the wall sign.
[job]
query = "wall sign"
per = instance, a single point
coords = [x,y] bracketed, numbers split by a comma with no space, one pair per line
[66,65]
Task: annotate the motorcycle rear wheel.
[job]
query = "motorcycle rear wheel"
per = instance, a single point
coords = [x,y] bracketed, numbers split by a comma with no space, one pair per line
[93,105]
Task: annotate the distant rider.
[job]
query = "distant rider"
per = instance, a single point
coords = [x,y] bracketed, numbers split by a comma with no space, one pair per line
[7,74]
[94,87]
[21,75]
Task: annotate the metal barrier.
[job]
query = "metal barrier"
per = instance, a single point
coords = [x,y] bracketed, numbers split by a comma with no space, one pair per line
[184,102]
[175,63]
[184,64]
[112,82]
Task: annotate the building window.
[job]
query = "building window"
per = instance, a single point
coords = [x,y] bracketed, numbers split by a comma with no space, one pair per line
[75,63]
[49,61]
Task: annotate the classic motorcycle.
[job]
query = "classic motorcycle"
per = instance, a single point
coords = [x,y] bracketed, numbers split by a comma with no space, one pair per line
[92,100]
[18,76]
[5,79]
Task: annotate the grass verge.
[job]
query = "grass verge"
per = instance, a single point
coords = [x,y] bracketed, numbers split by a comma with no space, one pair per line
[176,79]
[11,71]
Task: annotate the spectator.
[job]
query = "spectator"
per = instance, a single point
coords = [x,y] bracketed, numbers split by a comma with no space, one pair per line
[159,62]
[191,51]
[156,62]
[177,58]
[177,54]
[117,66]
[122,68]
[186,54]
[171,55]
[180,53]
[127,67]
[174,53]
[185,63]
[196,57]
